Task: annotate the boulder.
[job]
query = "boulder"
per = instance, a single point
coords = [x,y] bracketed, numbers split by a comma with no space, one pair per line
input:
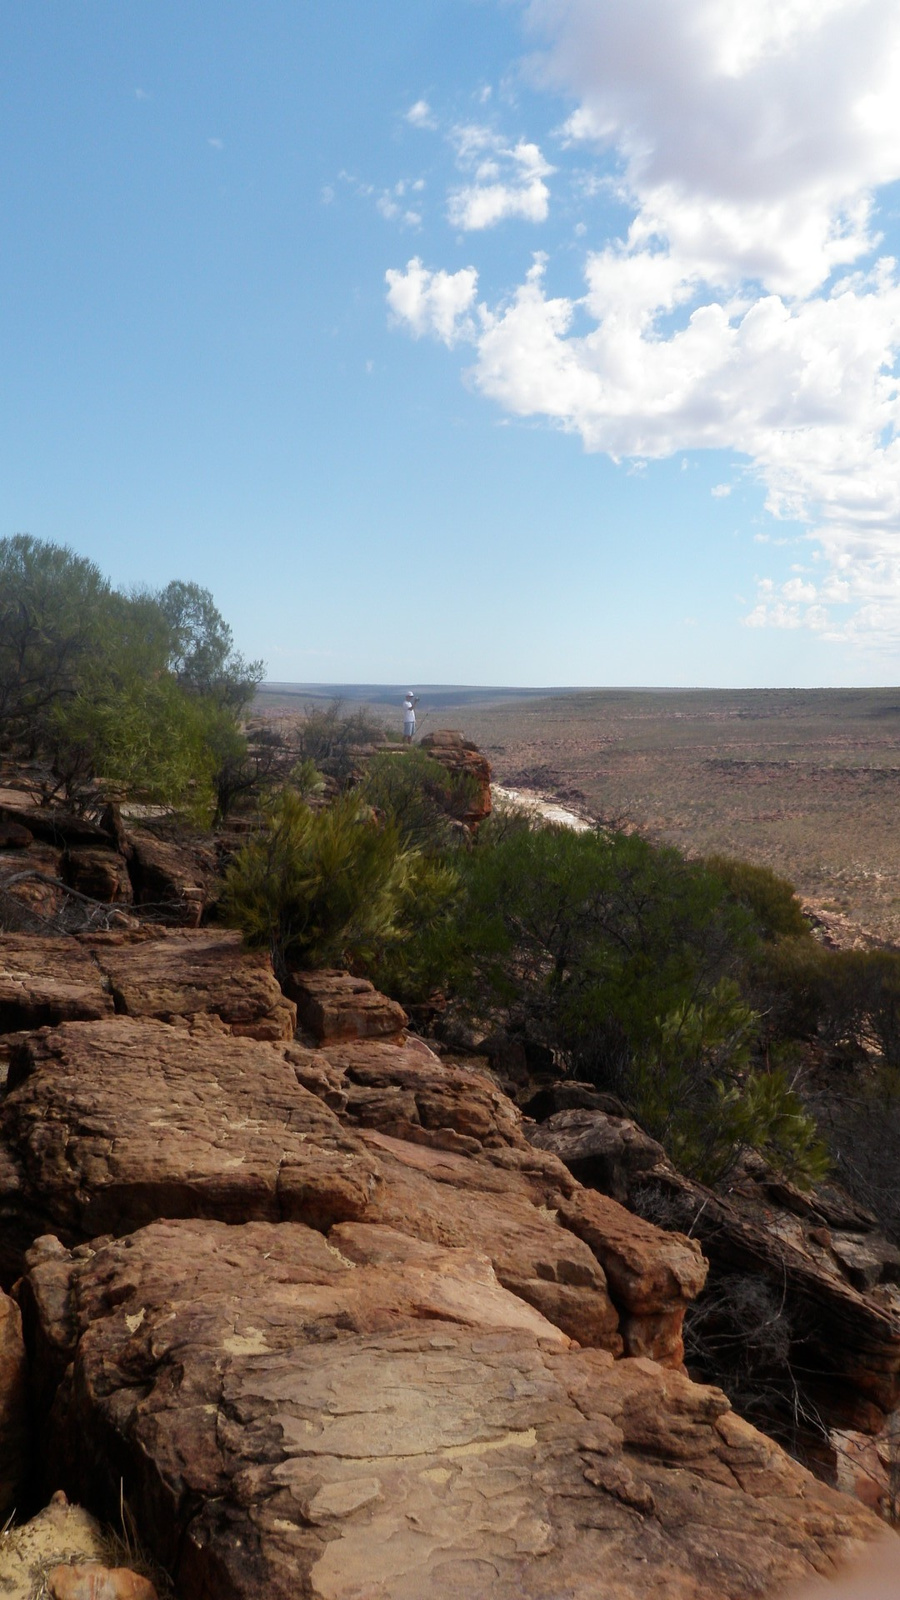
[652,1275]
[173,879]
[464,759]
[333,1006]
[14,835]
[100,874]
[45,981]
[56,826]
[604,1152]
[408,1092]
[174,976]
[355,1417]
[14,1441]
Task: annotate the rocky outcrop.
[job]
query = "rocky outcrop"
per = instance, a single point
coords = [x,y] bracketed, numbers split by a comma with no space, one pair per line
[651,1282]
[45,981]
[55,826]
[172,878]
[335,1327]
[463,759]
[110,1125]
[179,976]
[100,874]
[828,1277]
[229,1376]
[14,1451]
[604,1152]
[334,1006]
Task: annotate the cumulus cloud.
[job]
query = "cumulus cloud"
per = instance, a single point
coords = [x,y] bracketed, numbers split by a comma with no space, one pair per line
[420,115]
[436,303]
[507,180]
[750,136]
[747,307]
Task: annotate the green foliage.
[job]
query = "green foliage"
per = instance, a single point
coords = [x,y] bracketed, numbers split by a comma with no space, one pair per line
[321,887]
[332,737]
[695,1091]
[770,899]
[419,795]
[201,648]
[52,610]
[134,692]
[593,936]
[141,738]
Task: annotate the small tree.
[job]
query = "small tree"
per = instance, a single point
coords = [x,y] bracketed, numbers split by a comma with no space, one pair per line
[53,608]
[201,651]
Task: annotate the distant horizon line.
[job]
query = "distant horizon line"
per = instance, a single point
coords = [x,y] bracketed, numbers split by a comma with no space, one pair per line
[585,688]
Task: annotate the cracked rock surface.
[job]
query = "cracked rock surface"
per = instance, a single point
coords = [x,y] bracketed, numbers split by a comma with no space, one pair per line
[359,1415]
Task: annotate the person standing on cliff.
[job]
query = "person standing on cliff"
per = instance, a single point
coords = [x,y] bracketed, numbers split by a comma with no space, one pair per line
[409,716]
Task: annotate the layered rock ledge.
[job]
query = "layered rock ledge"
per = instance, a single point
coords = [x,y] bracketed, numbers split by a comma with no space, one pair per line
[361,1415]
[336,1328]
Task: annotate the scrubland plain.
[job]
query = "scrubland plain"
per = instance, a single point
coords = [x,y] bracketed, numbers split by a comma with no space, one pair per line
[804,781]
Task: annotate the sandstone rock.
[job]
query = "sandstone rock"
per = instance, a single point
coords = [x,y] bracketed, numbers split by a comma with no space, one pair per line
[101,874]
[410,1093]
[819,1254]
[333,1006]
[356,1419]
[61,1532]
[169,975]
[44,981]
[652,1275]
[55,827]
[92,1582]
[14,835]
[604,1152]
[459,1201]
[173,878]
[21,878]
[14,1442]
[109,1125]
[463,758]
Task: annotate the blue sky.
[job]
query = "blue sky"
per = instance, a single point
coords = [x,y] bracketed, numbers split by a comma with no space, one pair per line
[466,341]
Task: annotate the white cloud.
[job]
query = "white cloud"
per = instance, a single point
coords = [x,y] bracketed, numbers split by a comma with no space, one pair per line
[436,303]
[420,115]
[746,309]
[750,136]
[720,490]
[216,144]
[508,180]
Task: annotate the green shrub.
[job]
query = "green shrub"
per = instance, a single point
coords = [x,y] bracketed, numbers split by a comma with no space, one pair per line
[321,888]
[771,900]
[419,795]
[592,936]
[695,1090]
